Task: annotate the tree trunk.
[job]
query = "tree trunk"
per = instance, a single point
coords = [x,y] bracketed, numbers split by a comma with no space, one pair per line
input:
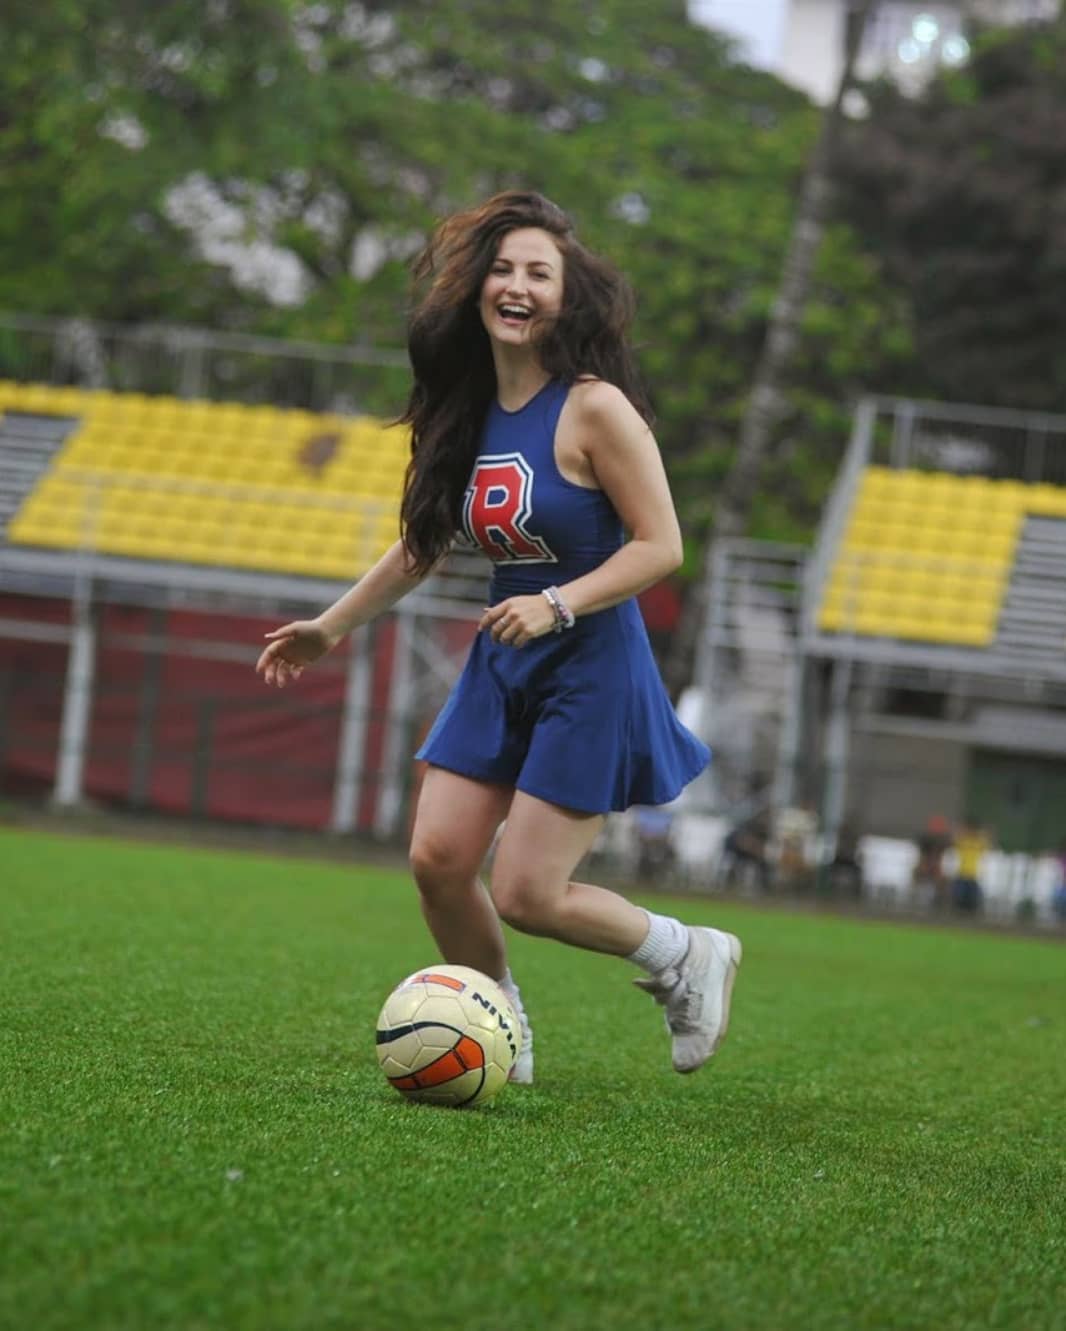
[768,401]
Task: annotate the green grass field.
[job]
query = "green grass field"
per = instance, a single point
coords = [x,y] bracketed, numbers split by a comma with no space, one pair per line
[194,1132]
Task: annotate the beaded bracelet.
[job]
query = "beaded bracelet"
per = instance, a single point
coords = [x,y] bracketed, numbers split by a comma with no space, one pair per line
[564,616]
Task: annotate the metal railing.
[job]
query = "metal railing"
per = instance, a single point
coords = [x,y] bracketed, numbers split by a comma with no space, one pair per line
[964,440]
[188,362]
[998,442]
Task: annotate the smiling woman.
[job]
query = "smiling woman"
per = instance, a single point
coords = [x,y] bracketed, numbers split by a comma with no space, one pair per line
[530,440]
[524,286]
[579,311]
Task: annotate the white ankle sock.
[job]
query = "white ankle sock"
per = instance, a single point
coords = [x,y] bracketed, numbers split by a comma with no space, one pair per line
[665,945]
[509,987]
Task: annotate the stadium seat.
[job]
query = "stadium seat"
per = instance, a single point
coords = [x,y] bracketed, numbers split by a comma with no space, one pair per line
[195,481]
[926,556]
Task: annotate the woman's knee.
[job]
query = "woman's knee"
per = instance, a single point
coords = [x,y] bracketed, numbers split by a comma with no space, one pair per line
[439,861]
[523,903]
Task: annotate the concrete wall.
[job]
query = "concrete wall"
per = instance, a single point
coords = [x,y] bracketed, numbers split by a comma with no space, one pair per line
[897,781]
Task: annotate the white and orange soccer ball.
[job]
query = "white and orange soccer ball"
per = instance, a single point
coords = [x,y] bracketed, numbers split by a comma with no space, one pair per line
[448,1035]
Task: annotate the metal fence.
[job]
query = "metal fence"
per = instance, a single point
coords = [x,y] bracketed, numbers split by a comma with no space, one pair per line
[196,363]
[963,440]
[999,443]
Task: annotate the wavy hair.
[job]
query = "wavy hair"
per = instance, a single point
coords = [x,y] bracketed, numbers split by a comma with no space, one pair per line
[451,357]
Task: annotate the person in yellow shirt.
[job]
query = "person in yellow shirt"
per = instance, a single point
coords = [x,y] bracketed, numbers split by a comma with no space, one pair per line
[970,844]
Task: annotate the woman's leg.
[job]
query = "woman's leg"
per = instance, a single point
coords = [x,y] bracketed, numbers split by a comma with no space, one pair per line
[690,971]
[541,846]
[455,823]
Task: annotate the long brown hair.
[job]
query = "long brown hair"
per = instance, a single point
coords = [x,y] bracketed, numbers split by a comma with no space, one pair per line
[454,374]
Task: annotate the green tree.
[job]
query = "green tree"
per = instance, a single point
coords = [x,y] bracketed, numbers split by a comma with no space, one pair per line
[104,106]
[335,133]
[961,197]
[767,402]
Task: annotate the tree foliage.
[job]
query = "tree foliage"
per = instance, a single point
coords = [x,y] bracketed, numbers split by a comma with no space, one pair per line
[331,134]
[961,195]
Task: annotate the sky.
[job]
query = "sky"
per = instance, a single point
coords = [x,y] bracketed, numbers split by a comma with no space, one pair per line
[759,24]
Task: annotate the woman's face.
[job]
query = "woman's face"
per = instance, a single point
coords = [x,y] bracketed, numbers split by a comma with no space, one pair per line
[524,287]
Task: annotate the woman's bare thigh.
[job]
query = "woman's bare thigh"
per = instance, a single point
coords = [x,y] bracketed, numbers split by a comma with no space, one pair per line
[457,819]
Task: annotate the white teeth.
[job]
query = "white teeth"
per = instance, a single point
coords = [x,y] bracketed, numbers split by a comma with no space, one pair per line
[516,311]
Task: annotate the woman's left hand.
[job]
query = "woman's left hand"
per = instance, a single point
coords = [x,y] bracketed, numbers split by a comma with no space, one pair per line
[519,620]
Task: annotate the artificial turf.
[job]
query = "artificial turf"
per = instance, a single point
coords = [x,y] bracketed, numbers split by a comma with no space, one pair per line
[194,1132]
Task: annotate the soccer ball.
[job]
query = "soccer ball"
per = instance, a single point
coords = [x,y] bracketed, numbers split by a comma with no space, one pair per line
[448,1035]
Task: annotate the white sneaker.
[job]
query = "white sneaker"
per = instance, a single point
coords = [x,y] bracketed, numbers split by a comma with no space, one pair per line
[696,995]
[522,1071]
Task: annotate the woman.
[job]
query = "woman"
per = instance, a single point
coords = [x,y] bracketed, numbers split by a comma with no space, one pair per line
[529,439]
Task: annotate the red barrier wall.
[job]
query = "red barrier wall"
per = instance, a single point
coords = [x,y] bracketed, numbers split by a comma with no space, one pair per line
[221,744]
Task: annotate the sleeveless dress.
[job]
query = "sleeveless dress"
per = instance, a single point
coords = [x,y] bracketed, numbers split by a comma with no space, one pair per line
[579,718]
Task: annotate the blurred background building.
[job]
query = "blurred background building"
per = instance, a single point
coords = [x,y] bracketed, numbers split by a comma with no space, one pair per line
[802,41]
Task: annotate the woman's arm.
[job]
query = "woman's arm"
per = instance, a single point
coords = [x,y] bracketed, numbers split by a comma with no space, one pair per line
[293,646]
[621,454]
[625,460]
[377,590]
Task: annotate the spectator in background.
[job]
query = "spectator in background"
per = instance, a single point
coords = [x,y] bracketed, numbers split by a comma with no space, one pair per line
[970,843]
[1058,896]
[843,876]
[795,831]
[656,849]
[746,853]
[929,884]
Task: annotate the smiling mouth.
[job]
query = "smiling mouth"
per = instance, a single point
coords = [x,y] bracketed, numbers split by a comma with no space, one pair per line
[514,313]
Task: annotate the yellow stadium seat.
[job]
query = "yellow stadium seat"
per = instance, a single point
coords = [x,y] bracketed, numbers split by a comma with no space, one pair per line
[967,545]
[956,586]
[1050,501]
[905,628]
[971,635]
[869,623]
[973,489]
[924,556]
[907,480]
[882,578]
[920,578]
[861,535]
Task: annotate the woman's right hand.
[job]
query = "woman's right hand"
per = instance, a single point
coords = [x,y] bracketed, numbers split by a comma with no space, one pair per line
[292,647]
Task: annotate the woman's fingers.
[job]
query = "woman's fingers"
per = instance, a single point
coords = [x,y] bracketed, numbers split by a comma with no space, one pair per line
[285,672]
[274,666]
[269,655]
[508,622]
[500,620]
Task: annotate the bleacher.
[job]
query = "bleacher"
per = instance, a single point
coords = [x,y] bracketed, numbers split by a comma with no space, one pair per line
[200,483]
[928,557]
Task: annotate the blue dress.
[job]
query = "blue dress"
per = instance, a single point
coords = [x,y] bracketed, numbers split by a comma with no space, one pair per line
[578,718]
